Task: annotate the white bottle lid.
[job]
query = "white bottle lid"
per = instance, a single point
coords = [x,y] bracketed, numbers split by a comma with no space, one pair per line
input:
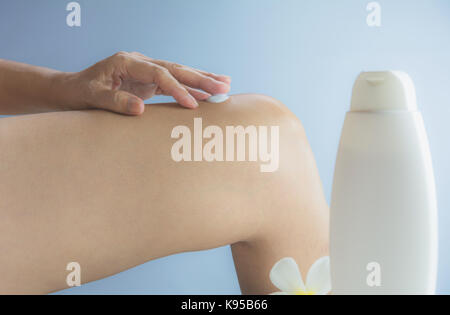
[384,91]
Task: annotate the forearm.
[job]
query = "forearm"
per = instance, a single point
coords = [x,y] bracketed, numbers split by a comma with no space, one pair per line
[118,83]
[31,89]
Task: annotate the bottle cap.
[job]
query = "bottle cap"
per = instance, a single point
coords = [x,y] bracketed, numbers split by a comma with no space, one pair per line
[384,91]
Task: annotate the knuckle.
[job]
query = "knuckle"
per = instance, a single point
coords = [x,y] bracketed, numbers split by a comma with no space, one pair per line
[120,56]
[119,99]
[116,98]
[138,54]
[176,66]
[161,71]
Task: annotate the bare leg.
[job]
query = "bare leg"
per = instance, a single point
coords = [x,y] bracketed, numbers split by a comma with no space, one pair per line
[102,190]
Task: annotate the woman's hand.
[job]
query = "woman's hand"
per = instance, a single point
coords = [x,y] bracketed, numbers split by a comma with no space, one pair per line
[121,82]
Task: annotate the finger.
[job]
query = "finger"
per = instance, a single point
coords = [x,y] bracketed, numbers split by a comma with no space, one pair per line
[197,94]
[120,102]
[194,79]
[147,72]
[211,83]
[219,77]
[170,86]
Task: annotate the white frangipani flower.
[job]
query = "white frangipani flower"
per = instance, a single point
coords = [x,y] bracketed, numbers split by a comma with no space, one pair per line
[286,276]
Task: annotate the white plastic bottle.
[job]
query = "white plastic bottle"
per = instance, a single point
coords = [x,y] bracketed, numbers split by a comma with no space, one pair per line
[383,209]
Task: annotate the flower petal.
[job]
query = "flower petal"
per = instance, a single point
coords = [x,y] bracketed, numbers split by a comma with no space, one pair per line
[286,276]
[319,277]
[280,293]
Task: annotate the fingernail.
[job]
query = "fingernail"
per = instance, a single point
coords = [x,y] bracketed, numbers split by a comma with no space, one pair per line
[205,96]
[225,88]
[193,101]
[226,78]
[134,106]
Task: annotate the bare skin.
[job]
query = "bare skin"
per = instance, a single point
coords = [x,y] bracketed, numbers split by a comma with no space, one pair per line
[119,83]
[102,190]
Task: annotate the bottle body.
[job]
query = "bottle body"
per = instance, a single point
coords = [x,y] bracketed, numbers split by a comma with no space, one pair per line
[383,209]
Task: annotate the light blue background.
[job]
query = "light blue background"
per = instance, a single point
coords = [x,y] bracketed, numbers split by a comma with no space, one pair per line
[305,53]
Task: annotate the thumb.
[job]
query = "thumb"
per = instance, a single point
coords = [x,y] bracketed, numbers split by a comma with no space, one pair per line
[120,102]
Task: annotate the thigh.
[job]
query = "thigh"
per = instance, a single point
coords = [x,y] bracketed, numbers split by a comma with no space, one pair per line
[103,190]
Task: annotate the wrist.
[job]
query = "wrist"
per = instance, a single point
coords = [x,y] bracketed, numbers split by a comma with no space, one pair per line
[66,91]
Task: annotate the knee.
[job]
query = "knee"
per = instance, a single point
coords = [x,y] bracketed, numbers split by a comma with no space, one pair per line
[263,110]
[289,209]
[293,191]
[291,142]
